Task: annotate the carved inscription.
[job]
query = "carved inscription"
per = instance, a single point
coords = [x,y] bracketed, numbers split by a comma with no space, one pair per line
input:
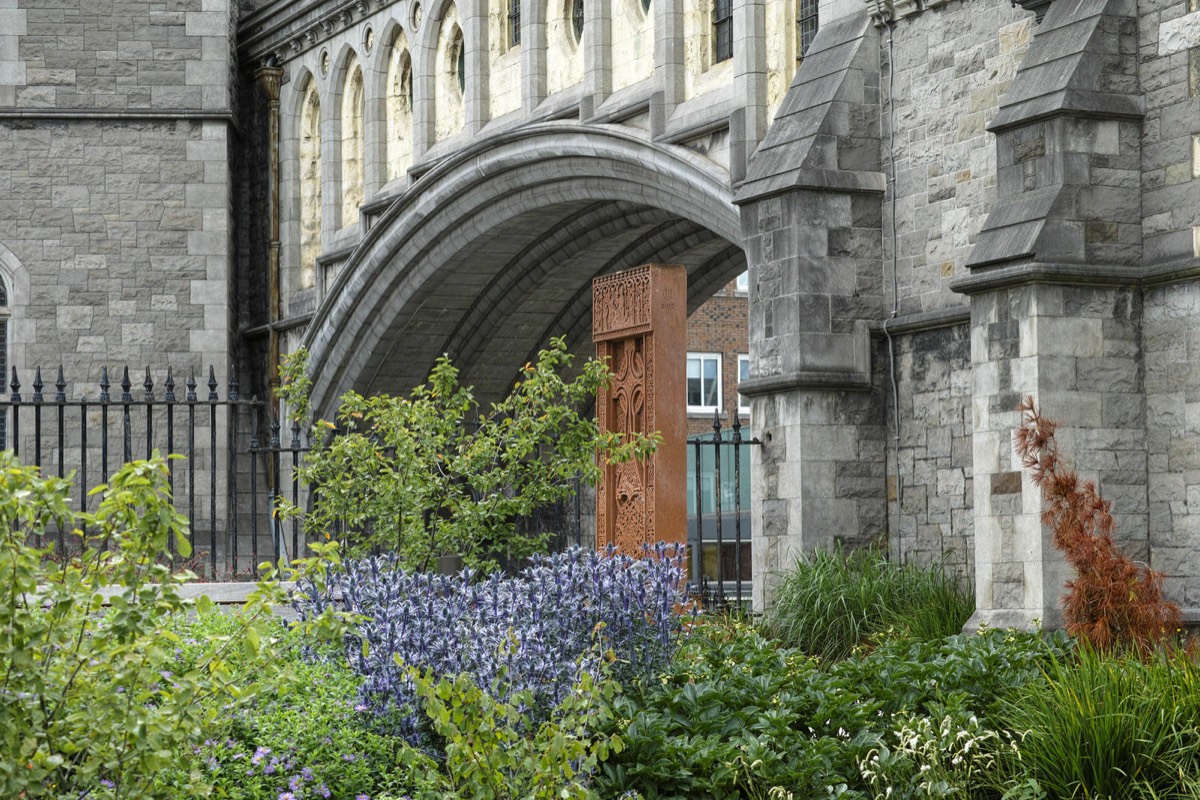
[621,303]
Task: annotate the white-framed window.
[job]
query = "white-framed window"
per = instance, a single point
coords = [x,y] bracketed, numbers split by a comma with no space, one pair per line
[703,382]
[742,284]
[743,375]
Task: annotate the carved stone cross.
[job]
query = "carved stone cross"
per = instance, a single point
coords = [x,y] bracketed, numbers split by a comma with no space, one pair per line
[639,325]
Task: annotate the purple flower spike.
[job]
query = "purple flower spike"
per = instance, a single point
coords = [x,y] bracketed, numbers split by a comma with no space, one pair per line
[530,633]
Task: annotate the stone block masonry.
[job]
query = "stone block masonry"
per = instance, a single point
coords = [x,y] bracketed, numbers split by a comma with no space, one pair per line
[124,54]
[123,233]
[930,493]
[115,183]
[948,70]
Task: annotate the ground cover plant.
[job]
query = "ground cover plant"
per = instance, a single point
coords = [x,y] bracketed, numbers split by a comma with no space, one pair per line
[833,602]
[738,716]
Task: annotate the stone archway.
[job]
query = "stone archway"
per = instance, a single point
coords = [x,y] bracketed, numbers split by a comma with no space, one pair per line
[492,252]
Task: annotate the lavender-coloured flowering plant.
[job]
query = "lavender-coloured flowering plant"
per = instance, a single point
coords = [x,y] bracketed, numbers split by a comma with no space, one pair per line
[531,633]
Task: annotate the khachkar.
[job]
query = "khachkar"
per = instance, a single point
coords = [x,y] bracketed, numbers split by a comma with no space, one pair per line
[639,325]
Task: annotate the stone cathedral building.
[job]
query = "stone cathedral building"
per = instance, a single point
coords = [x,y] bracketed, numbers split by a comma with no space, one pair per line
[941,204]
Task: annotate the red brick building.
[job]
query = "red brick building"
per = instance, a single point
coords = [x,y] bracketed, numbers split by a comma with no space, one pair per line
[718,345]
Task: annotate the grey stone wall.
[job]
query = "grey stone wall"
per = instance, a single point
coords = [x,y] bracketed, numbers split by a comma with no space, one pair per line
[125,54]
[952,66]
[1075,349]
[1169,72]
[123,232]
[1172,363]
[115,184]
[933,486]
[116,127]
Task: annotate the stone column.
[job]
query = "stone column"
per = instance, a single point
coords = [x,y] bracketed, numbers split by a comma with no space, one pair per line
[269,79]
[811,215]
[1056,311]
[639,324]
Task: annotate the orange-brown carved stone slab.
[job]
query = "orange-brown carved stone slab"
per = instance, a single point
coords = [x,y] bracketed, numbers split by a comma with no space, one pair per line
[639,324]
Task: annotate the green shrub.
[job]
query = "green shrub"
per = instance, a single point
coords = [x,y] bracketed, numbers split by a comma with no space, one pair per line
[737,717]
[1112,727]
[831,603]
[977,672]
[93,702]
[434,474]
[492,755]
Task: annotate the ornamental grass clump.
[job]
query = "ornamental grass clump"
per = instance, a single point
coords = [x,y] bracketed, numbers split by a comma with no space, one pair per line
[831,603]
[530,635]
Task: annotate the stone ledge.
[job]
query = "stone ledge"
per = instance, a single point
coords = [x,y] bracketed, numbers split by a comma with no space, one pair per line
[922,321]
[848,380]
[992,278]
[1069,103]
[131,114]
[815,180]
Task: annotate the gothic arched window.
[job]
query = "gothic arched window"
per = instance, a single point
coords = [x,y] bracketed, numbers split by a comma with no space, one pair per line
[577,19]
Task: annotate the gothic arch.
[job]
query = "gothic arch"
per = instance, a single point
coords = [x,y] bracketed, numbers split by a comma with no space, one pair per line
[374,66]
[450,78]
[427,58]
[333,185]
[17,329]
[441,254]
[564,52]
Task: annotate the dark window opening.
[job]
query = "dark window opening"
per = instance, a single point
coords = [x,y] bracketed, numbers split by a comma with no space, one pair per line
[460,66]
[577,19]
[723,30]
[806,25]
[514,23]
[4,312]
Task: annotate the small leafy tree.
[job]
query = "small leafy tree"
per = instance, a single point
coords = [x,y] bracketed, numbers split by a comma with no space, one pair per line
[89,704]
[433,474]
[491,756]
[1113,602]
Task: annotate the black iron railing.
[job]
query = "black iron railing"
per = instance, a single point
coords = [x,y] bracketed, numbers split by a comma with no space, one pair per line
[237,467]
[719,541]
[89,437]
